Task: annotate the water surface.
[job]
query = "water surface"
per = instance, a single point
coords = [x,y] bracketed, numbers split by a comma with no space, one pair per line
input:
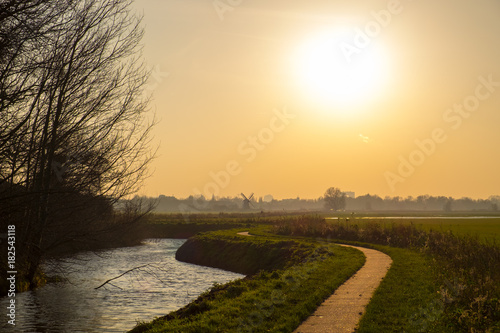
[75,306]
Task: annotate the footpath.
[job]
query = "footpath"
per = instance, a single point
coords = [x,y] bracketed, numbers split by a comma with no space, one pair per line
[341,312]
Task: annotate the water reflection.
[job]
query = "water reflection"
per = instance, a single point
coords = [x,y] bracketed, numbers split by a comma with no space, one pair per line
[76,306]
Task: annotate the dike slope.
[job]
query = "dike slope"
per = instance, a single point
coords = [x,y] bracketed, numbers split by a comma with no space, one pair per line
[249,257]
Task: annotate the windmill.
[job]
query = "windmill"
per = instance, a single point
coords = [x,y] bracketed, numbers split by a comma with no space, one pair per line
[246,201]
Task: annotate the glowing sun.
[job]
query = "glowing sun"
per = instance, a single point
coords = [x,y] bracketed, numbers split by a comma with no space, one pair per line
[332,78]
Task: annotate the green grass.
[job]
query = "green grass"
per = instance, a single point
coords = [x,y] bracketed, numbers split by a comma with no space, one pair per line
[188,225]
[487,229]
[407,300]
[227,250]
[440,281]
[467,270]
[217,218]
[269,301]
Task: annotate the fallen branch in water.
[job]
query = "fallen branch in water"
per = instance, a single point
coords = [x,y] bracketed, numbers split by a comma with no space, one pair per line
[122,274]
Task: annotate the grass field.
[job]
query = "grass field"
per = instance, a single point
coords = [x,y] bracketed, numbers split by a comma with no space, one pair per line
[486,226]
[484,229]
[487,229]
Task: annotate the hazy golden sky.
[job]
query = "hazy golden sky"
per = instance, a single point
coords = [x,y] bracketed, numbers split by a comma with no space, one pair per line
[291,97]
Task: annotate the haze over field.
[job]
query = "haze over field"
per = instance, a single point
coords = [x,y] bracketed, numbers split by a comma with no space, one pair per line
[285,129]
[290,97]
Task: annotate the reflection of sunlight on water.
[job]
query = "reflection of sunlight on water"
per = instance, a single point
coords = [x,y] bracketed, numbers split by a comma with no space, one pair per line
[78,307]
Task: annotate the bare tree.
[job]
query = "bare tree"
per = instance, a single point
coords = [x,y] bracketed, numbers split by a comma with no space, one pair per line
[334,199]
[79,128]
[24,27]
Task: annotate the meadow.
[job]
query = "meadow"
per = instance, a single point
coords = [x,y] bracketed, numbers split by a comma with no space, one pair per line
[444,276]
[485,228]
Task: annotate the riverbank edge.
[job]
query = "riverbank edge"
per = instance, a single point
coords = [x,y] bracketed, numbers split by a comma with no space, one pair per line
[150,230]
[261,259]
[241,255]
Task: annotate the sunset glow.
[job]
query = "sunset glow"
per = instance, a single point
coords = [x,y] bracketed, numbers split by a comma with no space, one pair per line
[333,78]
[148,140]
[388,71]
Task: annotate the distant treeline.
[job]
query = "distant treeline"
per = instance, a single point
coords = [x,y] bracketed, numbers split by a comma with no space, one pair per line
[170,204]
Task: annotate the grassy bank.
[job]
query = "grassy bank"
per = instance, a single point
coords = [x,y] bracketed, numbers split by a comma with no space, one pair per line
[298,276]
[466,269]
[243,254]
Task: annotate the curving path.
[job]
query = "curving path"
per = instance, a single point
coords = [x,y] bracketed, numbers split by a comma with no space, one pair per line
[342,311]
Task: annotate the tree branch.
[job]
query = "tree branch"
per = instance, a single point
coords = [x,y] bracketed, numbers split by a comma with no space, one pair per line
[119,276]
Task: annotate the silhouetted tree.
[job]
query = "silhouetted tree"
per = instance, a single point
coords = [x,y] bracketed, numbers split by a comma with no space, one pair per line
[334,199]
[24,28]
[447,206]
[75,128]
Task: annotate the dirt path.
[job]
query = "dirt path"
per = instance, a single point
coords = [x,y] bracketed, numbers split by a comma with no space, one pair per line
[342,311]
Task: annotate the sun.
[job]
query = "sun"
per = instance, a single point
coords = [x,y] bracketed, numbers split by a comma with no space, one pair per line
[332,78]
